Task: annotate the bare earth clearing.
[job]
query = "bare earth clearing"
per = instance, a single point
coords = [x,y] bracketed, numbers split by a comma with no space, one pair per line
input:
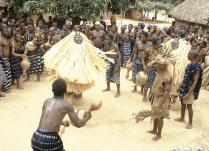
[110,129]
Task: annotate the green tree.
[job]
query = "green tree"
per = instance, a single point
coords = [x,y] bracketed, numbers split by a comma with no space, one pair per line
[120,6]
[62,8]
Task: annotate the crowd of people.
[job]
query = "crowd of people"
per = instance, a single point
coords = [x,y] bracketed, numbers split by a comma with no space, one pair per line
[137,47]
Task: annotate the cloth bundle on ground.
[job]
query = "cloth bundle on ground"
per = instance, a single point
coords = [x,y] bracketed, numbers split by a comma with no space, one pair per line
[77,63]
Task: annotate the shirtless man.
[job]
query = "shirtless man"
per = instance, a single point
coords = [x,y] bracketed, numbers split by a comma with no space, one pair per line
[139,62]
[153,53]
[4,47]
[98,35]
[52,33]
[115,34]
[88,31]
[15,59]
[121,35]
[64,32]
[130,31]
[30,34]
[45,35]
[53,112]
[113,69]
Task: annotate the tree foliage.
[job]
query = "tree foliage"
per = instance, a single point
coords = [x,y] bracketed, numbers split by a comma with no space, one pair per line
[88,8]
[62,8]
[120,6]
[149,5]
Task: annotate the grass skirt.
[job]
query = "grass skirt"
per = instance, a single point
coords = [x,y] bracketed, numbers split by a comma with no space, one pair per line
[78,64]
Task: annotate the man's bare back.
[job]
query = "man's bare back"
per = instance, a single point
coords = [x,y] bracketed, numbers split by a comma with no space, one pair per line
[54,111]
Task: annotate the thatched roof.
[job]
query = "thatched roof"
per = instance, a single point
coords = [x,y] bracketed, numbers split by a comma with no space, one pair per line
[194,11]
[3,3]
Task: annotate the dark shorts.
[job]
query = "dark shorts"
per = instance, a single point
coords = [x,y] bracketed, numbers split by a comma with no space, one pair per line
[46,141]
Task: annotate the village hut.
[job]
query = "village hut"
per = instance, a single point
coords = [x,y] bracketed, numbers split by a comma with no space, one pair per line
[191,12]
[133,13]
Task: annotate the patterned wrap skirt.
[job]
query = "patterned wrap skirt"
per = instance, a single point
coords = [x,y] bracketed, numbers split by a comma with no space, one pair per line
[111,75]
[2,77]
[35,63]
[7,71]
[16,70]
[151,77]
[126,50]
[137,67]
[43,140]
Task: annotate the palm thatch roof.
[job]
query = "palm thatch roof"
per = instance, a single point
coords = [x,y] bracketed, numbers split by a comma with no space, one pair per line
[3,3]
[194,11]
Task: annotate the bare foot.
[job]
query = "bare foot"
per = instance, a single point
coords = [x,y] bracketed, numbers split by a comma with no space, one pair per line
[144,99]
[156,138]
[70,93]
[20,88]
[38,80]
[152,132]
[117,95]
[189,126]
[133,91]
[8,91]
[2,94]
[180,120]
[26,80]
[106,90]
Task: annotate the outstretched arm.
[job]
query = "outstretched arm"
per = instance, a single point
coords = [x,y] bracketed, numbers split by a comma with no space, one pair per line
[74,118]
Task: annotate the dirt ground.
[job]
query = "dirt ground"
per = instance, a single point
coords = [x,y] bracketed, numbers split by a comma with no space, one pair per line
[110,129]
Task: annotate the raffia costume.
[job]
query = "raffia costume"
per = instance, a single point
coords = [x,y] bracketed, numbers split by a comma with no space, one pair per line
[77,63]
[179,48]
